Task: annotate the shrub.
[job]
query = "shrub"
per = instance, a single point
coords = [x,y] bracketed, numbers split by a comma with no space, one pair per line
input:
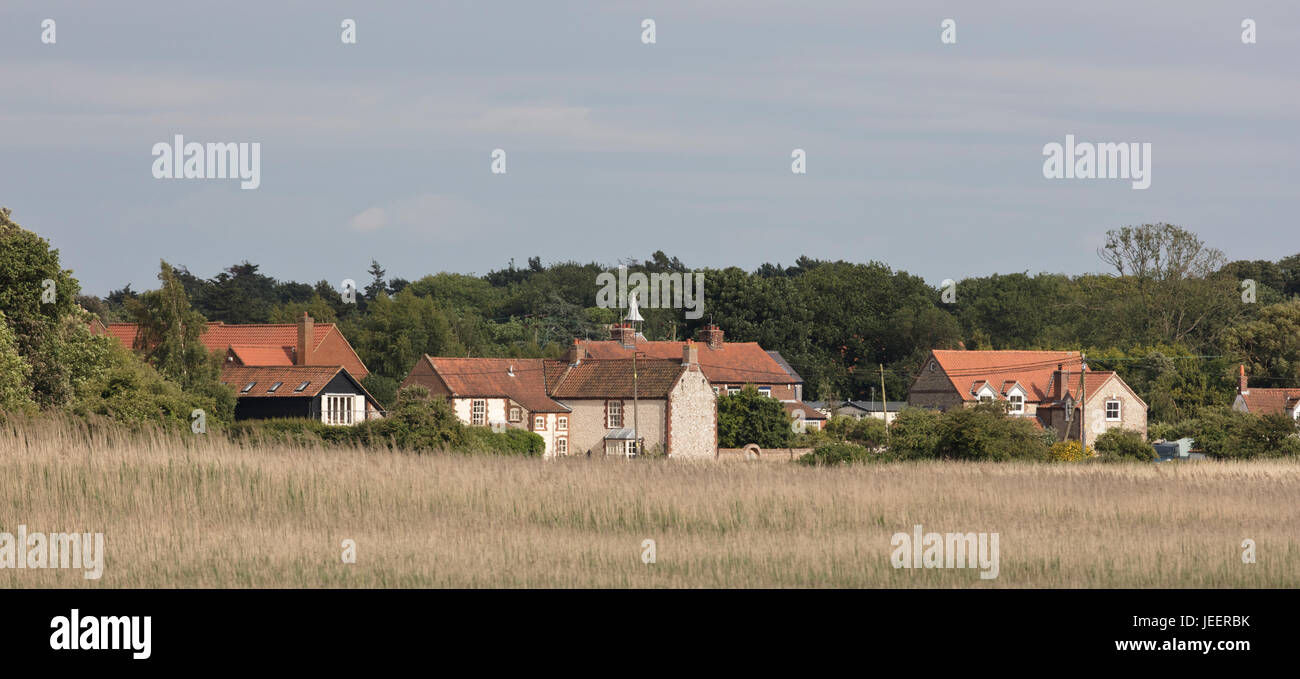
[984,432]
[914,434]
[869,432]
[832,454]
[1070,451]
[1117,445]
[750,417]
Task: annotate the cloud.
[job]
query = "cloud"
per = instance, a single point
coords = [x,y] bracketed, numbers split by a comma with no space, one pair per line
[443,216]
[369,219]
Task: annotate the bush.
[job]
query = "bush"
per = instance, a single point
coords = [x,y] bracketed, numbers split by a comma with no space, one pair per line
[914,434]
[1119,445]
[984,432]
[869,432]
[1070,451]
[750,417]
[832,454]
[130,391]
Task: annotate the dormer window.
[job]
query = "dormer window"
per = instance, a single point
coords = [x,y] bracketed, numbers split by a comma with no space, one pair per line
[1017,403]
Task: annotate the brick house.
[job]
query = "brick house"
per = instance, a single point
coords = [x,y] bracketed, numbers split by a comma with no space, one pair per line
[256,354]
[583,406]
[1266,401]
[1044,385]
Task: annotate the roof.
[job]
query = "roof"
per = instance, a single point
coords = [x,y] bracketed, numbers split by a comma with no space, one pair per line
[1270,401]
[259,344]
[785,365]
[262,377]
[492,377]
[731,363]
[809,412]
[967,370]
[875,407]
[613,378]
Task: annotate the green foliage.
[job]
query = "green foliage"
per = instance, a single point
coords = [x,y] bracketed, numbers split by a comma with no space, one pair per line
[914,434]
[832,454]
[384,389]
[749,417]
[15,373]
[1117,445]
[1229,434]
[985,433]
[132,392]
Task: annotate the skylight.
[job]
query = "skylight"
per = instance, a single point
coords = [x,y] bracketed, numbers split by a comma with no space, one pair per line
[303,385]
[274,387]
[247,388]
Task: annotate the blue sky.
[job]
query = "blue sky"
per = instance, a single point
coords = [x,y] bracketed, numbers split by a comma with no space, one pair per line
[922,155]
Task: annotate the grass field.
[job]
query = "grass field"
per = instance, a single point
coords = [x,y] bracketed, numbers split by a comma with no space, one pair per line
[203,512]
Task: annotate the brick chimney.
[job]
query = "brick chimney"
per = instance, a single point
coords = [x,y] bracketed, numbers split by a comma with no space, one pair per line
[1058,377]
[1241,381]
[306,335]
[711,334]
[624,334]
[691,355]
[576,353]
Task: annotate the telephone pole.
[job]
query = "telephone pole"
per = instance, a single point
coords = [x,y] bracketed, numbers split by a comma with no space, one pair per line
[884,403]
[1083,404]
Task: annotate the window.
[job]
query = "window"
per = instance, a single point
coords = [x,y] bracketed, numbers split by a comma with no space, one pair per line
[478,412]
[716,390]
[613,414]
[733,390]
[247,388]
[273,387]
[562,423]
[1112,409]
[625,448]
[302,386]
[985,398]
[516,414]
[1017,403]
[933,365]
[338,408]
[765,391]
[562,446]
[539,423]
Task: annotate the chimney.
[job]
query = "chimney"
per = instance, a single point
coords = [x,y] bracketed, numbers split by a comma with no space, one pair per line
[690,355]
[1057,378]
[712,334]
[624,334]
[306,335]
[576,353]
[1241,381]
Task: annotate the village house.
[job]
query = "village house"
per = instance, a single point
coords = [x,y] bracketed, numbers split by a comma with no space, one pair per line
[584,406]
[1265,401]
[302,369]
[1043,385]
[728,366]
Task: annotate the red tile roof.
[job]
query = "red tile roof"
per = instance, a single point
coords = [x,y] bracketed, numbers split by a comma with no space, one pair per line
[264,343]
[491,378]
[732,363]
[809,412]
[1032,369]
[613,379]
[1270,401]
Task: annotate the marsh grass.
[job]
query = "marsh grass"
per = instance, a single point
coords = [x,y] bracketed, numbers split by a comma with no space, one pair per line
[201,511]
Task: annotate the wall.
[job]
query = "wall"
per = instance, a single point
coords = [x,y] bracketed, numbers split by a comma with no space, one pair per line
[587,423]
[693,418]
[933,389]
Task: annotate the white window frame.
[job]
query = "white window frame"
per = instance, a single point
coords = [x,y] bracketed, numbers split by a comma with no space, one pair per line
[562,445]
[1118,410]
[765,391]
[338,409]
[716,390]
[613,409]
[516,414]
[732,391]
[539,423]
[1017,402]
[562,423]
[478,412]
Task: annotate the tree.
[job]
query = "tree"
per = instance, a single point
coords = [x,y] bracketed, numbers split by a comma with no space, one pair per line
[1269,346]
[170,331]
[749,417]
[1118,445]
[376,285]
[15,373]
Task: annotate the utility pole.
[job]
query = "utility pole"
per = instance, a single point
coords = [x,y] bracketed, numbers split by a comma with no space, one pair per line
[1083,404]
[884,403]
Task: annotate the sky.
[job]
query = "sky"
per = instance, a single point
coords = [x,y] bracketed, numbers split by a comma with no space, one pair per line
[924,155]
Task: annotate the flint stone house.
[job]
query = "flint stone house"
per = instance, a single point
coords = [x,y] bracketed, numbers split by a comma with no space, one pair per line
[582,406]
[1044,385]
[728,366]
[1266,401]
[266,354]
